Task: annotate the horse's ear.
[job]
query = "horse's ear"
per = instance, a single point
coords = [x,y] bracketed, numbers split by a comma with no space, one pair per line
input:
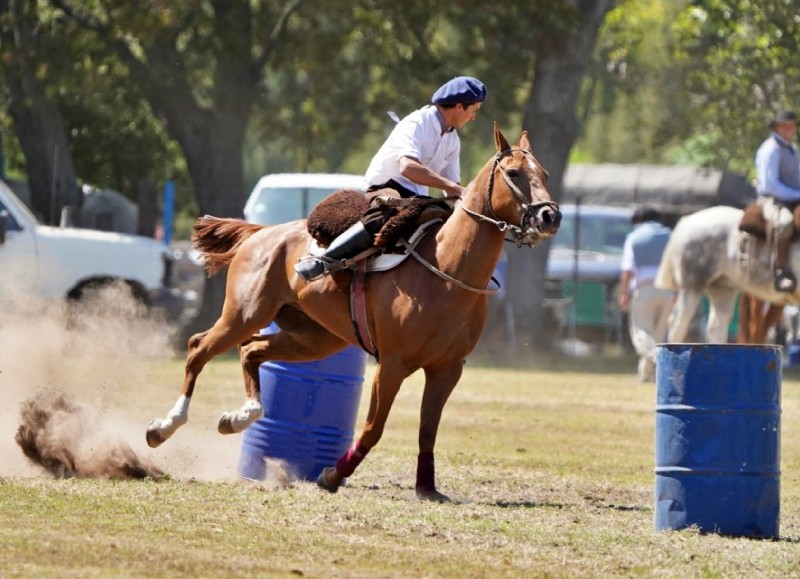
[499,140]
[524,143]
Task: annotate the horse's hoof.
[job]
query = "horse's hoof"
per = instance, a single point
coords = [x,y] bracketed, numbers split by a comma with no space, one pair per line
[431,495]
[329,479]
[225,425]
[154,437]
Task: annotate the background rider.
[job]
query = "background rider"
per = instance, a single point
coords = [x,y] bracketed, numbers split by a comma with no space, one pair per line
[778,187]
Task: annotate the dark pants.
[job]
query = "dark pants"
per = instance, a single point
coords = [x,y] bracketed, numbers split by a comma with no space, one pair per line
[392,184]
[377,215]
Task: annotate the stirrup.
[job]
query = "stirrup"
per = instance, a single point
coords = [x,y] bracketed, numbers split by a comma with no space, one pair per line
[313,268]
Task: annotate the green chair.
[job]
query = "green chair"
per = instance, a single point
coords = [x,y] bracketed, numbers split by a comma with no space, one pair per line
[590,307]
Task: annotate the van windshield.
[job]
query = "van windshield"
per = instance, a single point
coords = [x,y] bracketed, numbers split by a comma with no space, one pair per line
[276,205]
[600,233]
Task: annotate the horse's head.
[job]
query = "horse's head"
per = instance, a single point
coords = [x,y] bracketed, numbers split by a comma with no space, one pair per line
[516,193]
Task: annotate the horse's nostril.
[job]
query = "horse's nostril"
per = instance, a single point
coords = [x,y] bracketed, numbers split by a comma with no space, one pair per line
[550,217]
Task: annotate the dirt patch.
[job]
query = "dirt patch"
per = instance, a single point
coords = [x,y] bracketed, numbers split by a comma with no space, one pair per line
[56,433]
[71,392]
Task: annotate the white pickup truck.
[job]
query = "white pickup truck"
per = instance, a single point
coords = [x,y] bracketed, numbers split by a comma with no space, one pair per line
[52,263]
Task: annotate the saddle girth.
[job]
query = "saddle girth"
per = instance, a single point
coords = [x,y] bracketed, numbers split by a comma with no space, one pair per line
[358,309]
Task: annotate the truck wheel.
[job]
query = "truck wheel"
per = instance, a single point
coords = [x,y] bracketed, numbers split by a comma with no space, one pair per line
[106,299]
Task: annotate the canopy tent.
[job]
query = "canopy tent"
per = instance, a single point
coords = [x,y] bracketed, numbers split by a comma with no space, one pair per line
[668,187]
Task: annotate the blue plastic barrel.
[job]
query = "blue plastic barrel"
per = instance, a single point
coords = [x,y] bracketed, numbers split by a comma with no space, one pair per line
[717,447]
[310,410]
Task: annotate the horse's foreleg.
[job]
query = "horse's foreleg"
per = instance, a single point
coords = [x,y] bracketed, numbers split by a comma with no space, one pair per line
[438,387]
[385,386]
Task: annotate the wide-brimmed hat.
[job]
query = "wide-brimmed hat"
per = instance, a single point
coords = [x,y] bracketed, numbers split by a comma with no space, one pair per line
[461,90]
[783,117]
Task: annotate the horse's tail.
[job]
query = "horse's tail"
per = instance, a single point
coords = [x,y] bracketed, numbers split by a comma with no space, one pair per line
[217,239]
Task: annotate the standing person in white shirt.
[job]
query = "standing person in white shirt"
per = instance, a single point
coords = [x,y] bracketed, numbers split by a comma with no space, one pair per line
[648,306]
[422,151]
[778,188]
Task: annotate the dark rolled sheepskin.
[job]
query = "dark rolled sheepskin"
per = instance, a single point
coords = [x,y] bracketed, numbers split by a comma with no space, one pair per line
[333,215]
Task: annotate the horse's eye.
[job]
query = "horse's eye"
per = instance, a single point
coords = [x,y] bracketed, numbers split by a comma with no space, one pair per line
[512,173]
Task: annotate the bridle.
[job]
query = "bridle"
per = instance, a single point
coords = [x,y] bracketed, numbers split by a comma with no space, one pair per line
[521,234]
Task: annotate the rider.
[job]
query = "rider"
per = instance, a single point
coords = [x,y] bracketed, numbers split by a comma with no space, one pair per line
[778,186]
[422,151]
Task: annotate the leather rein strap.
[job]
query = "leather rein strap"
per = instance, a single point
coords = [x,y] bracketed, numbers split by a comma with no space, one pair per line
[451,279]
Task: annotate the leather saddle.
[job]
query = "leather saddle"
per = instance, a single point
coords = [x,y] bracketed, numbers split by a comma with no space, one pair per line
[394,218]
[754,223]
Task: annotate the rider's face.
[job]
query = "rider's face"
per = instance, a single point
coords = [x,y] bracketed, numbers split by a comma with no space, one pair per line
[787,130]
[465,114]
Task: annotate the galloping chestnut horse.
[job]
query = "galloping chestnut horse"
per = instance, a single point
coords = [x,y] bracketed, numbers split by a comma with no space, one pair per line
[429,312]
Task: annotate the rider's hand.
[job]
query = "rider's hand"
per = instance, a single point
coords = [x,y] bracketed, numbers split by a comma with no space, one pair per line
[456,192]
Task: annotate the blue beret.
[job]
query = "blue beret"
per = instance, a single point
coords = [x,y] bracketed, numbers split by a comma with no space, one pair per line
[461,90]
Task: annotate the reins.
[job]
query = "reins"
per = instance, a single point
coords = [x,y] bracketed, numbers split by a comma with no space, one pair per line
[446,277]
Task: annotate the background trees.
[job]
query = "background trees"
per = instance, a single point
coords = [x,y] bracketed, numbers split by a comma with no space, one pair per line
[214,94]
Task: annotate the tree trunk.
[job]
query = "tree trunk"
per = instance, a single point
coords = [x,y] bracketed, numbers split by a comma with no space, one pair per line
[550,119]
[37,119]
[147,200]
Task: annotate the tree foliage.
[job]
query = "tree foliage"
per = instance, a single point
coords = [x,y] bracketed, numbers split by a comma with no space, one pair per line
[744,67]
[633,102]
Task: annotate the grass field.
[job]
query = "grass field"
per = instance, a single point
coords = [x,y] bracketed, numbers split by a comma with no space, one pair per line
[550,466]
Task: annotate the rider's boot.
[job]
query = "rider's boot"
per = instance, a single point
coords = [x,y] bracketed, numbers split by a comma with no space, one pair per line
[785,280]
[353,241]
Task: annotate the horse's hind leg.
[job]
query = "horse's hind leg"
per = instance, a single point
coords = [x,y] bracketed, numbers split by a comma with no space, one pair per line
[202,348]
[284,346]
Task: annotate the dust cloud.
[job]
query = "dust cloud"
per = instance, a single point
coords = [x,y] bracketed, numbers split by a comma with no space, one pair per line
[74,396]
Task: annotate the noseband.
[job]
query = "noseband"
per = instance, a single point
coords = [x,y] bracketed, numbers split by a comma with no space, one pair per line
[521,234]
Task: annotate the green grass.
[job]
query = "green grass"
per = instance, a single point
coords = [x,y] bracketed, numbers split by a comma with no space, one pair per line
[550,467]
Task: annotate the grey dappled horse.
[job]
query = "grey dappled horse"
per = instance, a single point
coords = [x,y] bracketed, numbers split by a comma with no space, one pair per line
[704,255]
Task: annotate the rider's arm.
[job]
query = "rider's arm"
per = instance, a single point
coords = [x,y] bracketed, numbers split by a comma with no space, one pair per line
[415,171]
[624,297]
[768,176]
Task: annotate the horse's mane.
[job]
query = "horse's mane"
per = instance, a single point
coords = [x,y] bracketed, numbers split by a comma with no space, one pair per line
[217,239]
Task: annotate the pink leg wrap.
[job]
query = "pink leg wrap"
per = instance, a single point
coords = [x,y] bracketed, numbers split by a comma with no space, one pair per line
[348,462]
[425,471]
